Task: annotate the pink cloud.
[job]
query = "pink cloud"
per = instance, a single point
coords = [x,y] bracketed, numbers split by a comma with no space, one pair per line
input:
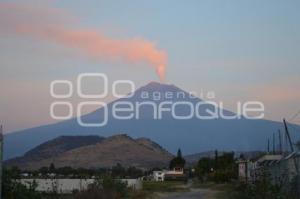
[50,24]
[283,91]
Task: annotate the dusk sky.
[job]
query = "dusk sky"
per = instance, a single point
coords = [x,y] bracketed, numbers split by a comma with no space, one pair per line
[241,50]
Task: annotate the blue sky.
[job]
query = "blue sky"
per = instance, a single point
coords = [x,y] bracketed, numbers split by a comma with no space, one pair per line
[241,50]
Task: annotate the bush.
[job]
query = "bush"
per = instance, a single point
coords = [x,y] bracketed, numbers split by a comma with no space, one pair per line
[13,189]
[260,189]
[107,188]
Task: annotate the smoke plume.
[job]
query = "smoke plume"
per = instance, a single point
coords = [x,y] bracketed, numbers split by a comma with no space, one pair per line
[51,24]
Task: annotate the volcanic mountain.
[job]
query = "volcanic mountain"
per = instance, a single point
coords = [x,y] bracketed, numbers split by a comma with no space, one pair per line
[94,152]
[192,135]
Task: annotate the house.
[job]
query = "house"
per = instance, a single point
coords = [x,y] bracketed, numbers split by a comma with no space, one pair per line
[244,168]
[289,166]
[25,175]
[250,170]
[159,176]
[281,169]
[267,163]
[176,173]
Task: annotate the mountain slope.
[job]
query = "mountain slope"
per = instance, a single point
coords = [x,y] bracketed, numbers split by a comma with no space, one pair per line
[105,153]
[54,148]
[150,144]
[192,136]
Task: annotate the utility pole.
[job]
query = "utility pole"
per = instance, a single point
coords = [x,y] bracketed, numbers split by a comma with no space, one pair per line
[280,141]
[295,161]
[286,143]
[291,145]
[268,145]
[288,135]
[1,157]
[274,144]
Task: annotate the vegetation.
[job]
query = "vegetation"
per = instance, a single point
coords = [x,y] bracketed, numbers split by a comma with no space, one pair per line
[178,161]
[109,188]
[105,188]
[220,169]
[167,186]
[262,188]
[117,171]
[13,189]
[223,169]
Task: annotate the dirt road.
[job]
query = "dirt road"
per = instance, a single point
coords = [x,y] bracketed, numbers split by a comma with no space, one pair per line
[192,194]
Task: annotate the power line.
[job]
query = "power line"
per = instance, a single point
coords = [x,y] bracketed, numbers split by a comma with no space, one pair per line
[294,127]
[291,120]
[294,116]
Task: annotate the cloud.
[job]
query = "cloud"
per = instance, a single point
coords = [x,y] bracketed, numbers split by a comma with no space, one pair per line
[52,24]
[279,94]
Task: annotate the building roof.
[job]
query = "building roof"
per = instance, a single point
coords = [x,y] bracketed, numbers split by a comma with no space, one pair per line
[270,158]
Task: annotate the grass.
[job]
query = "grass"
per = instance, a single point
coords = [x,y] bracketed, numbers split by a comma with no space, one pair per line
[141,194]
[222,190]
[132,194]
[166,186]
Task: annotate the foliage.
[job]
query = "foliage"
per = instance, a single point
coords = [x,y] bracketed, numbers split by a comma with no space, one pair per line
[220,169]
[117,171]
[205,166]
[177,161]
[262,188]
[51,168]
[13,189]
[106,188]
[166,186]
[294,190]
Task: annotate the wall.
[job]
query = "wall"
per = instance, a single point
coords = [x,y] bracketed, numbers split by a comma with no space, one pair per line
[69,185]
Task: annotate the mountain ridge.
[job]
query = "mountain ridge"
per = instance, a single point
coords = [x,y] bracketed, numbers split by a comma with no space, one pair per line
[104,153]
[191,135]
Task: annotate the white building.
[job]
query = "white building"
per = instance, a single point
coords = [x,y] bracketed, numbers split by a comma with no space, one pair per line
[244,168]
[250,170]
[176,173]
[70,185]
[159,176]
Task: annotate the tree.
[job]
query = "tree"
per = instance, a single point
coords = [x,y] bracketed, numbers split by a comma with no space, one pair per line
[52,168]
[220,169]
[179,155]
[13,189]
[118,171]
[216,159]
[104,188]
[177,161]
[43,170]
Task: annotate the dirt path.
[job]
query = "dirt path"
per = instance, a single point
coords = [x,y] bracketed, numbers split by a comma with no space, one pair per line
[192,194]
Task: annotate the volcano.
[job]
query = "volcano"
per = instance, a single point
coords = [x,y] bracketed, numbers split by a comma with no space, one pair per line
[192,135]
